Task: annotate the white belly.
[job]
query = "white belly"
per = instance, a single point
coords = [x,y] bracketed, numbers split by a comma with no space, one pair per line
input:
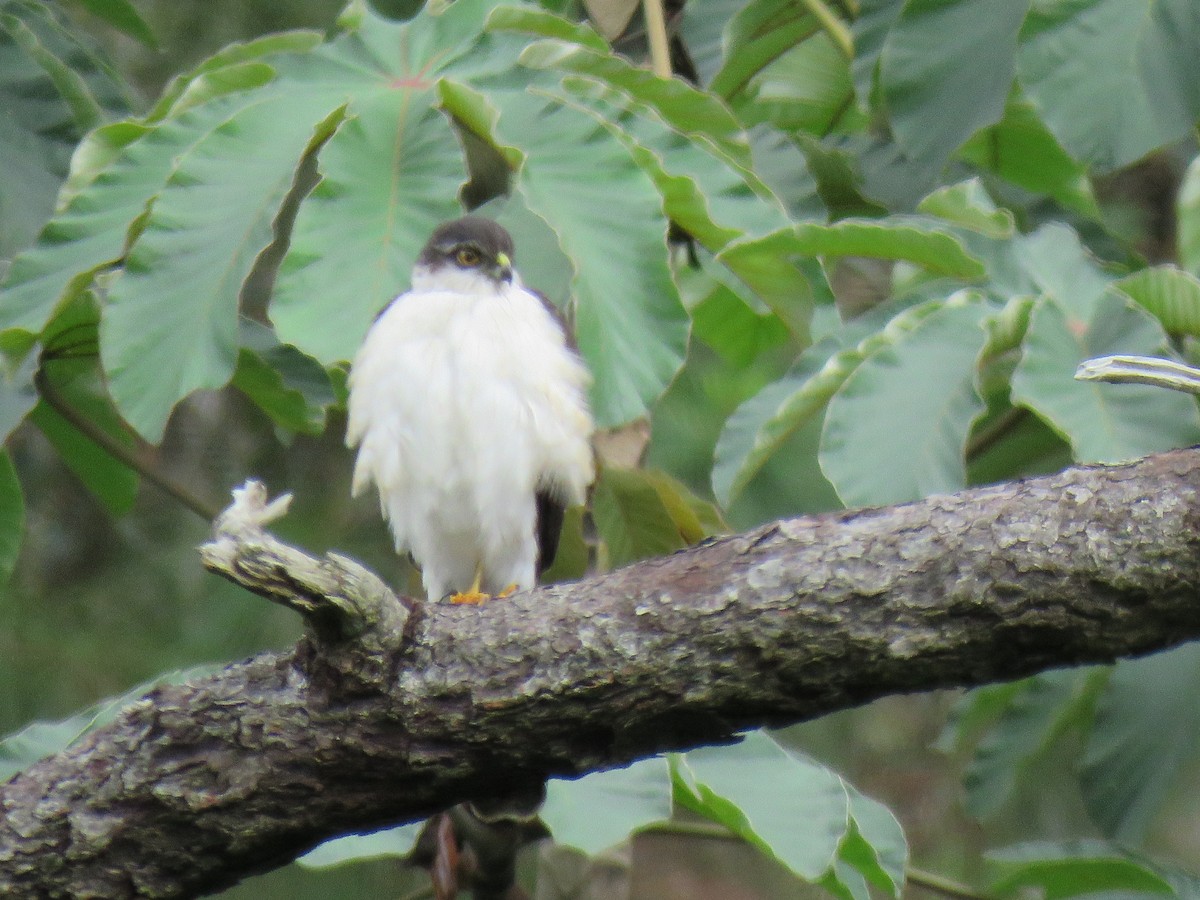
[462,406]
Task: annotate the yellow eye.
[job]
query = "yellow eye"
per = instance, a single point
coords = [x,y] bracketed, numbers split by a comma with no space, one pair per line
[468,256]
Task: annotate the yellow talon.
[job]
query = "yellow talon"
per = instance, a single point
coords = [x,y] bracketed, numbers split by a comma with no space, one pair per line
[473,595]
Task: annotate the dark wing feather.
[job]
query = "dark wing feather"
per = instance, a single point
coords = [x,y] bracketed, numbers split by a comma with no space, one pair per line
[550,512]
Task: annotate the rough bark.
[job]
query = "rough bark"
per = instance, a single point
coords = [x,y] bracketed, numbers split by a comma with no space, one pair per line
[387,712]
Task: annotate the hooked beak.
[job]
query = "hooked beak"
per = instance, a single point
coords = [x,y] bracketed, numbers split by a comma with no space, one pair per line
[504,269]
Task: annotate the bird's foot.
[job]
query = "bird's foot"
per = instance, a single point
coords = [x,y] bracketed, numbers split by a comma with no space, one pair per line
[508,591]
[473,597]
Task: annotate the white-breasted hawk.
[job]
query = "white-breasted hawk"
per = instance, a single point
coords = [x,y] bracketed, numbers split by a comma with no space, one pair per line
[468,405]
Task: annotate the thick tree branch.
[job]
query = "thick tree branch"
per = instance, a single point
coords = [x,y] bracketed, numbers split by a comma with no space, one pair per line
[384,714]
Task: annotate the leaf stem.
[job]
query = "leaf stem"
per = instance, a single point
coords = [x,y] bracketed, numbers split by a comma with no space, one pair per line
[656,32]
[118,451]
[994,433]
[833,26]
[942,885]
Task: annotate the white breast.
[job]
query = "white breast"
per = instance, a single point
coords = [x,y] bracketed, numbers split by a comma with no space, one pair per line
[462,405]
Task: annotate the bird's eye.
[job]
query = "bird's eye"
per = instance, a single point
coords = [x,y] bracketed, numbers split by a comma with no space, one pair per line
[468,256]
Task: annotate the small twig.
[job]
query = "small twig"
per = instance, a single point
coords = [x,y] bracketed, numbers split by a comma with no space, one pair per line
[656,30]
[336,596]
[118,451]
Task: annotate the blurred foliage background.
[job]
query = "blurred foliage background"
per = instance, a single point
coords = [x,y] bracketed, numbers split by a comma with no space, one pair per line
[1016,190]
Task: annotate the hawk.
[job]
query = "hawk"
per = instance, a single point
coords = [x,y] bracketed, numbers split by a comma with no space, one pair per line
[468,407]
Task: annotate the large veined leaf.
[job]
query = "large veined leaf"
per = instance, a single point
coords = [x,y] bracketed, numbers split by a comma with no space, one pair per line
[968,204]
[939,92]
[1020,149]
[897,429]
[700,190]
[926,242]
[389,176]
[1169,294]
[91,231]
[602,808]
[291,388]
[762,425]
[53,87]
[807,89]
[170,325]
[685,108]
[629,322]
[1056,871]
[1113,79]
[1143,736]
[760,33]
[12,516]
[796,811]
[703,26]
[1053,261]
[876,846]
[632,517]
[1102,422]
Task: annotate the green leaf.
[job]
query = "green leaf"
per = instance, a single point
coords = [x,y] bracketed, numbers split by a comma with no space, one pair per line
[120,14]
[939,92]
[91,231]
[789,807]
[724,322]
[1020,149]
[704,189]
[23,748]
[397,841]
[536,21]
[1102,422]
[1113,80]
[389,176]
[291,388]
[170,323]
[1036,711]
[350,241]
[80,385]
[632,518]
[702,27]
[761,32]
[207,79]
[70,84]
[897,429]
[1187,211]
[875,846]
[968,204]
[12,522]
[762,425]
[603,808]
[1170,295]
[807,89]
[924,242]
[681,106]
[1056,871]
[629,322]
[1143,737]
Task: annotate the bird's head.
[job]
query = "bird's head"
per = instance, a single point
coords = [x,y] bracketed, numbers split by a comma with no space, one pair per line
[466,254]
